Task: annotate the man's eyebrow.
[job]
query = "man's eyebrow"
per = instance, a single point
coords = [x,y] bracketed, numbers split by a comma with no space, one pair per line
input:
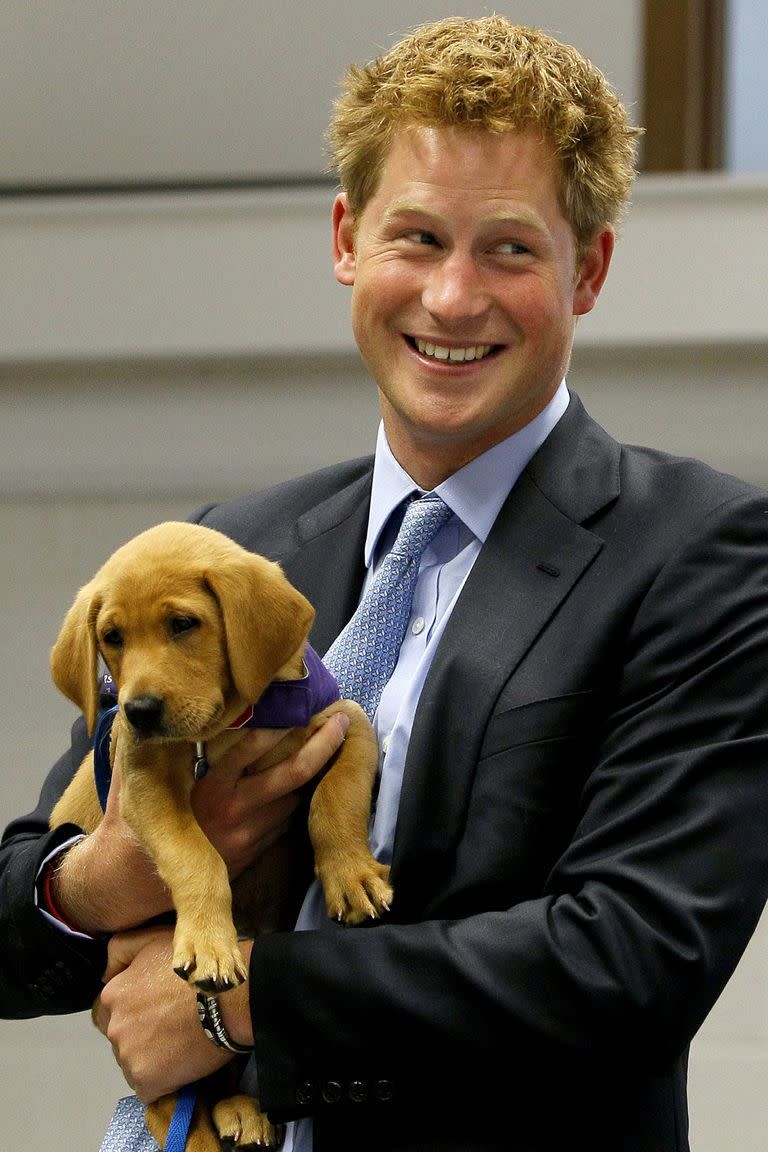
[410,208]
[511,217]
[518,219]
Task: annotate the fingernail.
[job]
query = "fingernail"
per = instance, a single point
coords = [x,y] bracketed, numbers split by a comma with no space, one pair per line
[343,721]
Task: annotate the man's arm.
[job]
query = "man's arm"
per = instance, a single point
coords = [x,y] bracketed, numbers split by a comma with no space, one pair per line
[644,912]
[105,882]
[43,970]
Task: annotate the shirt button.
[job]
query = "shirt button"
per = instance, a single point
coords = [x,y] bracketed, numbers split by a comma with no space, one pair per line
[385,744]
[418,625]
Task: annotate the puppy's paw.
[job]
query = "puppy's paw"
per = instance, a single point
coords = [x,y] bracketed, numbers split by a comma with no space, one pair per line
[242,1126]
[356,891]
[211,967]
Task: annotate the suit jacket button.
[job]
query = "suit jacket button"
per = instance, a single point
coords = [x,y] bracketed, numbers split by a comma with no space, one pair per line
[332,1092]
[305,1093]
[384,1090]
[358,1091]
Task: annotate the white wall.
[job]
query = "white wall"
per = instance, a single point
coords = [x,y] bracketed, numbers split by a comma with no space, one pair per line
[127,90]
[156,352]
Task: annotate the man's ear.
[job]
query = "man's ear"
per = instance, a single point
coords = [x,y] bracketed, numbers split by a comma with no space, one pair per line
[592,270]
[344,262]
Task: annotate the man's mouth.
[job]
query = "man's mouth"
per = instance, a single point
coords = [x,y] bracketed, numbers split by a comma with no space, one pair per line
[453,355]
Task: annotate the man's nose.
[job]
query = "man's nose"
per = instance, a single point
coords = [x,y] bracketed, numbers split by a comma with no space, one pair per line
[456,289]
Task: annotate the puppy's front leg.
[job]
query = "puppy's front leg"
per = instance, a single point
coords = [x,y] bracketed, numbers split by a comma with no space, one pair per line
[155,802]
[356,886]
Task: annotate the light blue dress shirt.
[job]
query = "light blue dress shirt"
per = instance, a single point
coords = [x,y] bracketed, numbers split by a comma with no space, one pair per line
[475,495]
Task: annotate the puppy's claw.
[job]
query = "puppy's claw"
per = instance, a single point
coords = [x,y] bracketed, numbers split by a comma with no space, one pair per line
[215,984]
[231,1144]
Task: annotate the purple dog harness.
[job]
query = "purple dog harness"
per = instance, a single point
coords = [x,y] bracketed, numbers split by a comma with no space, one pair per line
[292,703]
[282,704]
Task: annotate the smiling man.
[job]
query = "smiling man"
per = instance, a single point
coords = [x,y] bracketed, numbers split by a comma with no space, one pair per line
[466,286]
[572,793]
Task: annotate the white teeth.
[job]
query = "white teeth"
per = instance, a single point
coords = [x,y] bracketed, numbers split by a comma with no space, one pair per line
[455,355]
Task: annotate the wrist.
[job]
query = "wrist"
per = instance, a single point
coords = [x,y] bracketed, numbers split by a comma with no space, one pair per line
[235,1010]
[57,889]
[87,886]
[48,899]
[212,1021]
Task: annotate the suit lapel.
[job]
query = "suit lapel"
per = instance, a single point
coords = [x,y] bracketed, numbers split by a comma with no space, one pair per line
[328,565]
[535,553]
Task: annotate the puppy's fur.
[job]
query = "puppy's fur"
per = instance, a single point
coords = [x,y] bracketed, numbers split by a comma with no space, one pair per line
[193,628]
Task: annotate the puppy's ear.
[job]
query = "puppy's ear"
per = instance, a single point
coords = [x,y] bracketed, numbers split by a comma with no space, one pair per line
[266,620]
[74,656]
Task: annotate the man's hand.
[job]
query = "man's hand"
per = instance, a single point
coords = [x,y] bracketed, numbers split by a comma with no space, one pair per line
[243,808]
[149,1016]
[106,883]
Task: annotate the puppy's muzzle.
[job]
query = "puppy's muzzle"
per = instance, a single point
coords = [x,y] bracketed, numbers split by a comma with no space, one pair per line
[145,714]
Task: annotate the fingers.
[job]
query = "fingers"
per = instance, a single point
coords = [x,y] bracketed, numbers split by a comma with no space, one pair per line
[149,1017]
[296,770]
[313,756]
[100,1015]
[252,746]
[245,804]
[284,774]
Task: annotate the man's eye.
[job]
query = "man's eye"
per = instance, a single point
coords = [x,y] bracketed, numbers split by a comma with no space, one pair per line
[180,624]
[512,248]
[112,638]
[422,237]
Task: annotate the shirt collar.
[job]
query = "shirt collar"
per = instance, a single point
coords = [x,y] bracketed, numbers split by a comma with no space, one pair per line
[477,491]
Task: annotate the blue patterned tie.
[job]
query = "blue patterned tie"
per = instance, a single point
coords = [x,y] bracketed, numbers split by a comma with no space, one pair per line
[127,1131]
[364,655]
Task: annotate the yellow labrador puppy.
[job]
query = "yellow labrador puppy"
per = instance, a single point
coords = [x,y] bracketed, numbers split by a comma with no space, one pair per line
[194,632]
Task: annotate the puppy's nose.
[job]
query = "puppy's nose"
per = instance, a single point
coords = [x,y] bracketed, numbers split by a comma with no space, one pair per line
[144,713]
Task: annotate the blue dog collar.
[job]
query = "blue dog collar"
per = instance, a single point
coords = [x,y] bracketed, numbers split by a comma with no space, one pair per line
[102,768]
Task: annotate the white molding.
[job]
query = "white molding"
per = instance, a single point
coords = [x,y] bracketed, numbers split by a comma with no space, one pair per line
[690,266]
[249,273]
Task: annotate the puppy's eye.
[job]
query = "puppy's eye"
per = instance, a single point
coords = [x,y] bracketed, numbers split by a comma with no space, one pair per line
[112,638]
[178,625]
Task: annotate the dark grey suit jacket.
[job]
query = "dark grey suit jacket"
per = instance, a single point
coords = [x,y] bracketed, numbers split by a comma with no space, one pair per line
[581,853]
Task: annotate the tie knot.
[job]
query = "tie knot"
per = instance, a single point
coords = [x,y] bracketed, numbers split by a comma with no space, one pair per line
[422,521]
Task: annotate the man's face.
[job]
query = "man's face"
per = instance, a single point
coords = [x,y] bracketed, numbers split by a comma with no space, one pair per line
[464,290]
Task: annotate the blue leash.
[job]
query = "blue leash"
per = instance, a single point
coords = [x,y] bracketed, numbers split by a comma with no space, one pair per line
[178,1130]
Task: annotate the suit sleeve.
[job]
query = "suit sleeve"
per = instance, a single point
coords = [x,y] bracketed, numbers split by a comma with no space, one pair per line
[647,905]
[43,970]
